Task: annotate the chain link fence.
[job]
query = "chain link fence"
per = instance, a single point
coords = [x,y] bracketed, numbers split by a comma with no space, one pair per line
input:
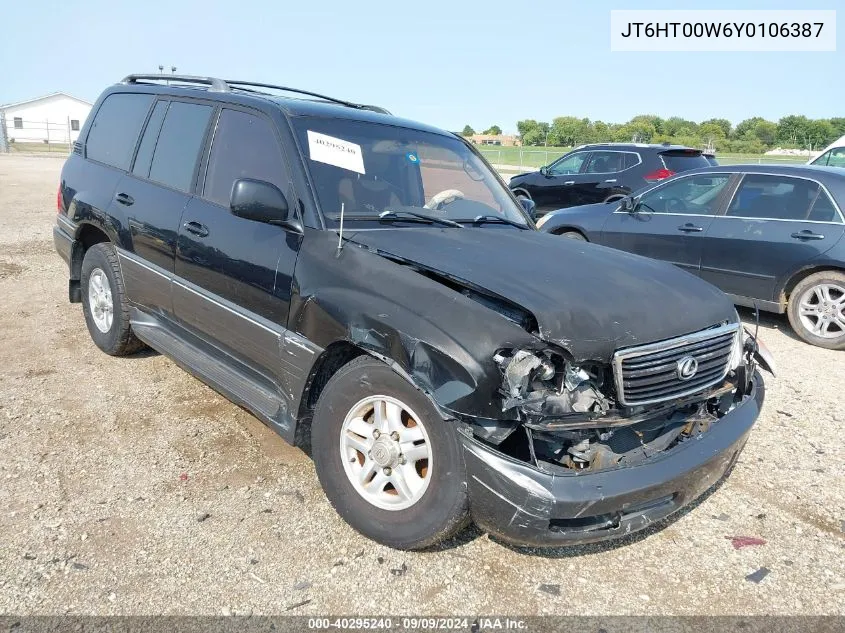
[18,135]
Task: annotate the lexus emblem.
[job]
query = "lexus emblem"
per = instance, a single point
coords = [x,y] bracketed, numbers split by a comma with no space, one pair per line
[686,367]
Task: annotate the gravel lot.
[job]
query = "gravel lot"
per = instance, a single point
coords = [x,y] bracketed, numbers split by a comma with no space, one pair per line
[128,487]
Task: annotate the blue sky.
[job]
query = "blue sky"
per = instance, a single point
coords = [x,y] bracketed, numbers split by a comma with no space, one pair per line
[444,63]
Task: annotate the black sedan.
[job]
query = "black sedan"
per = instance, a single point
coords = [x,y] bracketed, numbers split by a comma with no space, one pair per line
[770,236]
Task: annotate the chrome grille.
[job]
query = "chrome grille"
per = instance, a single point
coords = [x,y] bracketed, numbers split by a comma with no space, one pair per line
[650,373]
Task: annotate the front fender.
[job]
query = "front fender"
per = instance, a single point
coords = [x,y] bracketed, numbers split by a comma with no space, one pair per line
[443,341]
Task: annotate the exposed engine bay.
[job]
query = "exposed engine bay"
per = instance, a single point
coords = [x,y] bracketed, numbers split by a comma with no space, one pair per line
[568,415]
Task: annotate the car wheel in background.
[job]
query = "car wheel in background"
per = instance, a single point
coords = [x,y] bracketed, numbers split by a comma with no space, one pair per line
[573,235]
[387,461]
[816,309]
[104,302]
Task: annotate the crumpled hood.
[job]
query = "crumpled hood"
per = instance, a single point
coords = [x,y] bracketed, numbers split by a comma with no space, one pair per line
[589,299]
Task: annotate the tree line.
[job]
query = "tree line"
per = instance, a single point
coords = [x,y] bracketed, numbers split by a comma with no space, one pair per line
[754,135]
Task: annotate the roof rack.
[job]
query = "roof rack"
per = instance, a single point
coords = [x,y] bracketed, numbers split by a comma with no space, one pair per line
[214,84]
[239,85]
[225,85]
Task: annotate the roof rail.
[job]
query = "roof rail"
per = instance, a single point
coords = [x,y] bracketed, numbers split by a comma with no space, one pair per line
[225,85]
[256,84]
[236,83]
[214,84]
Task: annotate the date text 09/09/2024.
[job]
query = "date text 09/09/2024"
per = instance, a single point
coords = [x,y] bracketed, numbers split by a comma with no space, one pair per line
[419,623]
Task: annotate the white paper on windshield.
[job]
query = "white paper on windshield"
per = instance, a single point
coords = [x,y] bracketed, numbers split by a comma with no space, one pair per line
[335,151]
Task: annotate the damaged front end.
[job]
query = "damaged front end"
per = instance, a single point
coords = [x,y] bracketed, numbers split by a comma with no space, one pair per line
[592,451]
[593,416]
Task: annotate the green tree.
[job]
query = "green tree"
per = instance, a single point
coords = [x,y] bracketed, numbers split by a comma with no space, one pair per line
[673,126]
[792,129]
[493,129]
[468,131]
[766,132]
[647,122]
[567,131]
[644,127]
[820,133]
[532,132]
[601,131]
[838,124]
[722,124]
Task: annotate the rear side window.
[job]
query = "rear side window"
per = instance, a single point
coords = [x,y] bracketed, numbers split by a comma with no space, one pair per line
[244,146]
[682,160]
[823,209]
[773,197]
[148,141]
[179,142]
[605,163]
[115,129]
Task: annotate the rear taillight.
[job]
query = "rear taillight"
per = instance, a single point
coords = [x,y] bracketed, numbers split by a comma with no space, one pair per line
[659,174]
[59,204]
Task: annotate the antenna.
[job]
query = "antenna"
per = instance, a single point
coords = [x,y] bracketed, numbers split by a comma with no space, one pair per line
[340,232]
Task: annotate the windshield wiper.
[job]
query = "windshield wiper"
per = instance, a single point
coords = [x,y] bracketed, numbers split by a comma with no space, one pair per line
[390,214]
[495,219]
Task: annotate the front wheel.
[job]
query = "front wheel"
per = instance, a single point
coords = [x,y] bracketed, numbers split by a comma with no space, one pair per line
[387,461]
[816,309]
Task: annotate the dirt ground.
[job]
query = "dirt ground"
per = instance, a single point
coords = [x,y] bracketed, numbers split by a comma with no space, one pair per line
[128,487]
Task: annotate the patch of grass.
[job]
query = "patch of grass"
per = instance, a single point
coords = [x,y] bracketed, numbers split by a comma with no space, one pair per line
[53,148]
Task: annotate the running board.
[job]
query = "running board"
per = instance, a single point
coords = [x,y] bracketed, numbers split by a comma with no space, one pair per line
[223,377]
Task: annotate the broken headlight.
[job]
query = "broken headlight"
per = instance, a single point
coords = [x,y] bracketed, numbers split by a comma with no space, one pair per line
[737,349]
[543,384]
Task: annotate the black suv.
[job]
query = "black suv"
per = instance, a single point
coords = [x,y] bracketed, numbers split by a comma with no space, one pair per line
[603,172]
[370,289]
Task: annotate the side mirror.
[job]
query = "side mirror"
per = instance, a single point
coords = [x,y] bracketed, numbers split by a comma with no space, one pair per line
[627,204]
[544,170]
[259,201]
[530,207]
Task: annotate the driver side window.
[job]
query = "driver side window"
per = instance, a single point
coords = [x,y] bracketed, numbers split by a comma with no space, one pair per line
[693,195]
[569,165]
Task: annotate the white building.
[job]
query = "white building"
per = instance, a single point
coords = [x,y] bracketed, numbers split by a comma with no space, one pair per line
[55,118]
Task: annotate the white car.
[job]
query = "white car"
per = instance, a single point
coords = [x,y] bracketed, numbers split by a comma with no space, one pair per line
[832,156]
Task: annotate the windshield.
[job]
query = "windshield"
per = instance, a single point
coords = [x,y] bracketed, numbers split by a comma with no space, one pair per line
[372,169]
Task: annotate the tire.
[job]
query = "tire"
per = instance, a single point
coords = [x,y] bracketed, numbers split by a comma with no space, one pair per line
[437,506]
[573,235]
[104,302]
[822,320]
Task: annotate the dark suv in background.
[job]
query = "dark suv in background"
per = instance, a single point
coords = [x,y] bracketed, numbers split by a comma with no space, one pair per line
[339,272]
[603,172]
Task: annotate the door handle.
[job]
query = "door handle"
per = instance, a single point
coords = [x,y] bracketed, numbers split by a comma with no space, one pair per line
[569,182]
[806,234]
[125,199]
[196,228]
[611,180]
[689,227]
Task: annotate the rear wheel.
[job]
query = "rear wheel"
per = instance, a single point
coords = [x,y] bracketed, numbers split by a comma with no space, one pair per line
[104,302]
[573,235]
[816,309]
[387,461]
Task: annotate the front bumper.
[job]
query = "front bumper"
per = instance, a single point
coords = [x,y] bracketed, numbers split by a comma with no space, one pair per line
[522,505]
